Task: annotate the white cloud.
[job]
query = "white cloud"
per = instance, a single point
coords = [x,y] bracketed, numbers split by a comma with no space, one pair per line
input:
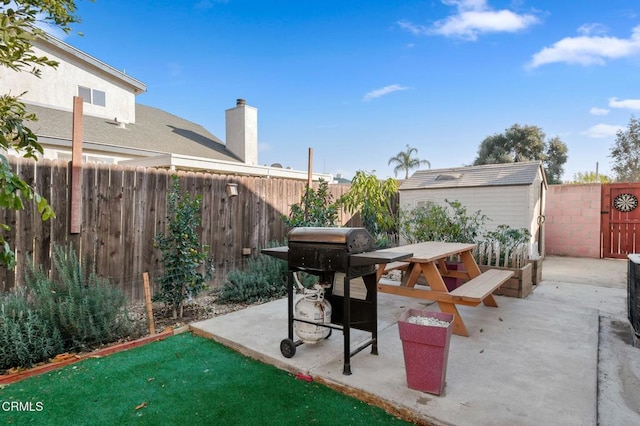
[593,28]
[598,111]
[473,17]
[624,103]
[588,50]
[382,92]
[600,131]
[413,28]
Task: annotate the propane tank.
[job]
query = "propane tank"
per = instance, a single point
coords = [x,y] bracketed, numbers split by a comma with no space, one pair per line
[312,306]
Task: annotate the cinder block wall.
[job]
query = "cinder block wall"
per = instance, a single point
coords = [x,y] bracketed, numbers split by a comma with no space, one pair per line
[572,226]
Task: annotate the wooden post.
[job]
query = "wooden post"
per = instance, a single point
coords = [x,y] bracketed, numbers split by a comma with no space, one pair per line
[147,302]
[75,215]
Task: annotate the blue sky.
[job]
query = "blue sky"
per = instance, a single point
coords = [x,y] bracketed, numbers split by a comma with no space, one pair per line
[359,80]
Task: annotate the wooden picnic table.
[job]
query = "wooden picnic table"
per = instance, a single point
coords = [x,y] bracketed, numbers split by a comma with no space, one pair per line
[428,260]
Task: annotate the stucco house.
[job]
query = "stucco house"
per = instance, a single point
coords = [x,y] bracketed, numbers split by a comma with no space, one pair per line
[117,130]
[509,194]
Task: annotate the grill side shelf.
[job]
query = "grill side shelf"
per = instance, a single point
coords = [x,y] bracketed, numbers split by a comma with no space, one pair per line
[374,257]
[279,252]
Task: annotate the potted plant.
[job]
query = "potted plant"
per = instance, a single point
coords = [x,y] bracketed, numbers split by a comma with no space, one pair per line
[508,248]
[425,343]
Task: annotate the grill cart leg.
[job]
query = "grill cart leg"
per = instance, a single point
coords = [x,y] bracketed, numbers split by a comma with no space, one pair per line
[374,308]
[290,305]
[346,325]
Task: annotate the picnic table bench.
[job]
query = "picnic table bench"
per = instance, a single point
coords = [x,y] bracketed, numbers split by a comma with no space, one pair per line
[428,260]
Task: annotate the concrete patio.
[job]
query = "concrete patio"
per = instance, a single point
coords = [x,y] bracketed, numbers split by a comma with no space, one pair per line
[561,356]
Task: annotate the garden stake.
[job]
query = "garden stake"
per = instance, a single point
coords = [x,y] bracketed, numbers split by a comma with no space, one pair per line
[147,302]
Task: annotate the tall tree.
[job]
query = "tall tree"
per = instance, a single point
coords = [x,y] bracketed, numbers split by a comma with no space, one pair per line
[524,143]
[374,200]
[18,30]
[626,153]
[406,160]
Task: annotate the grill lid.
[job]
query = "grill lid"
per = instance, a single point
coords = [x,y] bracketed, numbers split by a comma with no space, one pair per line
[356,239]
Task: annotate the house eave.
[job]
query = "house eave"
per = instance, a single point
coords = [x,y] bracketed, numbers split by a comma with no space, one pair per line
[136,85]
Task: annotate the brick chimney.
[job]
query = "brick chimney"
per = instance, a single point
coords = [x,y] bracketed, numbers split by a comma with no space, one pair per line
[242,132]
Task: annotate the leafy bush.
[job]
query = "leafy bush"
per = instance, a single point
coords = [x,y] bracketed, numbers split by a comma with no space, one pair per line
[263,278]
[77,311]
[316,208]
[25,337]
[433,222]
[182,253]
[85,309]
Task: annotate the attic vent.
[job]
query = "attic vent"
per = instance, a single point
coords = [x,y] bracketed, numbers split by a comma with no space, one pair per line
[449,176]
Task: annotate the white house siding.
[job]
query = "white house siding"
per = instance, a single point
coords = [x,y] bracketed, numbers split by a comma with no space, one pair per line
[57,87]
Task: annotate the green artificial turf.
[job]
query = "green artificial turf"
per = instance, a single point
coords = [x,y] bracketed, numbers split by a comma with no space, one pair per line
[184,379]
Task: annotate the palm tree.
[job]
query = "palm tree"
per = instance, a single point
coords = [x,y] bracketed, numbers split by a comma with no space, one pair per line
[405,161]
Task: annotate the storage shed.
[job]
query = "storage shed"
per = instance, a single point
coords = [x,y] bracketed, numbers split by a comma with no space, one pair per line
[509,194]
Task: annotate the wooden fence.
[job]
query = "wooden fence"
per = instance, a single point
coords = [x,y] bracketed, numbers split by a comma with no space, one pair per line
[124,208]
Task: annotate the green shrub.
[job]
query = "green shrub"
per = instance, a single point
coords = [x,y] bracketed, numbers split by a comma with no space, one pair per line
[86,309]
[433,222]
[263,278]
[25,337]
[316,208]
[182,253]
[77,311]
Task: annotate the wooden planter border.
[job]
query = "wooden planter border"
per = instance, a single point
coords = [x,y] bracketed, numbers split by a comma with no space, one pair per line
[6,379]
[520,285]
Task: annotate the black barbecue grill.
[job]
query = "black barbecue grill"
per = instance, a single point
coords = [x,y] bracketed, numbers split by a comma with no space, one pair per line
[325,252]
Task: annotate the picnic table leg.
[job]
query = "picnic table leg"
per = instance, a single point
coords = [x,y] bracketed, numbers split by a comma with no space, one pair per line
[490,301]
[458,325]
[470,264]
[410,279]
[436,283]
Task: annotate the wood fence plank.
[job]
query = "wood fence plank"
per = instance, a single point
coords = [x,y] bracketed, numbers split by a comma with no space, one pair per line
[103,220]
[141,221]
[60,203]
[42,229]
[90,196]
[129,203]
[162,188]
[115,246]
[25,222]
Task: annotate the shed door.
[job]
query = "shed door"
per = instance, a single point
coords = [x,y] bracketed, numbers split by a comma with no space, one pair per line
[620,222]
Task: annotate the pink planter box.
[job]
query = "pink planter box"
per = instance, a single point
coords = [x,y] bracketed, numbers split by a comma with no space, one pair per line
[426,349]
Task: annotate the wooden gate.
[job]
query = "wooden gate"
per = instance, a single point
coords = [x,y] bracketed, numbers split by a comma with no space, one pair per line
[620,222]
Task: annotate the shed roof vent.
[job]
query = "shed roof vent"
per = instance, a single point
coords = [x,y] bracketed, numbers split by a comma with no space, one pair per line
[449,176]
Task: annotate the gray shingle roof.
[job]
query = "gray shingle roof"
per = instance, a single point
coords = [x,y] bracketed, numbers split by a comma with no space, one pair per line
[155,130]
[475,176]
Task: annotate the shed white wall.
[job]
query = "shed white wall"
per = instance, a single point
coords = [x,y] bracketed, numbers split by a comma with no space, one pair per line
[57,87]
[515,206]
